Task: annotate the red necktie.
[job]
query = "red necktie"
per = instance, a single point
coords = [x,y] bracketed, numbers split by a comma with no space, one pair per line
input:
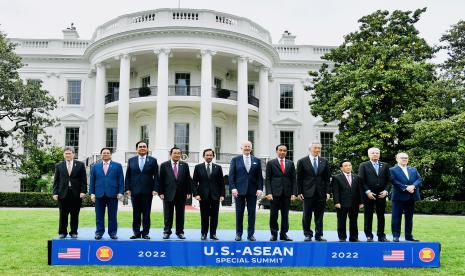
[282,164]
[175,170]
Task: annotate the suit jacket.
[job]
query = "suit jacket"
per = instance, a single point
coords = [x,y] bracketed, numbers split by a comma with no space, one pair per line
[347,195]
[109,185]
[400,182]
[169,185]
[78,179]
[245,182]
[309,183]
[142,182]
[208,187]
[376,183]
[278,183]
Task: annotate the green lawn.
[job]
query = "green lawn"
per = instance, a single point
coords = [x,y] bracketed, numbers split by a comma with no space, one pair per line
[24,235]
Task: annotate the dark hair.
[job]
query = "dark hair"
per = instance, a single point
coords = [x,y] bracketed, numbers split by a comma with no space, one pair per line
[277,147]
[137,144]
[173,148]
[343,161]
[105,149]
[205,151]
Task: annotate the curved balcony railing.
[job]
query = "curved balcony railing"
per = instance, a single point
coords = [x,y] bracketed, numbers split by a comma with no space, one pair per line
[183,90]
[140,92]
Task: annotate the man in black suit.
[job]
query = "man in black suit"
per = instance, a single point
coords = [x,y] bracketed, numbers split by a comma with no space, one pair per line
[281,188]
[313,185]
[376,184]
[69,187]
[141,184]
[246,184]
[175,188]
[347,194]
[208,189]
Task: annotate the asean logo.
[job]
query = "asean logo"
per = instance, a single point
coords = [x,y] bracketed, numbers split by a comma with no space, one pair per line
[426,255]
[104,253]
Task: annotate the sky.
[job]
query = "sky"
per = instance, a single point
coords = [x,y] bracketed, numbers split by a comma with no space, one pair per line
[314,22]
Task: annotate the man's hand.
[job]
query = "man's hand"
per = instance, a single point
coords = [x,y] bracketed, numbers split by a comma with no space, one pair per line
[301,197]
[293,198]
[198,198]
[162,197]
[269,197]
[154,193]
[221,198]
[338,205]
[82,195]
[234,192]
[188,196]
[410,188]
[383,194]
[360,206]
[92,198]
[259,193]
[128,193]
[119,196]
[371,195]
[55,197]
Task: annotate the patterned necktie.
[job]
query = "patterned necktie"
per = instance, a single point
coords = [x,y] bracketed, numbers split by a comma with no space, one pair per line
[68,166]
[377,168]
[175,170]
[247,163]
[141,163]
[281,161]
[349,179]
[208,170]
[315,165]
[105,168]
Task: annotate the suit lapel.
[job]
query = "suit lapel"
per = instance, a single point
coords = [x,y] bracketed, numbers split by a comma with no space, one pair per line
[399,170]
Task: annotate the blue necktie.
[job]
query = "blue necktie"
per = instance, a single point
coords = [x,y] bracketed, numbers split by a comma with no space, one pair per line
[315,165]
[141,163]
[377,168]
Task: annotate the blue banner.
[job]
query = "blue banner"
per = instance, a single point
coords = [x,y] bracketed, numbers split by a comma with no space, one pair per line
[227,253]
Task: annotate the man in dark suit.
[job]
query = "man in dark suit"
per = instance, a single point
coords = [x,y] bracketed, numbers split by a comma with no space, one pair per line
[69,187]
[347,194]
[208,189]
[106,187]
[376,184]
[246,184]
[281,188]
[175,188]
[313,185]
[406,183]
[141,185]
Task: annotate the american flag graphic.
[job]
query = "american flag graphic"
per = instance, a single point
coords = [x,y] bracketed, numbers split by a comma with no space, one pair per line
[69,253]
[394,255]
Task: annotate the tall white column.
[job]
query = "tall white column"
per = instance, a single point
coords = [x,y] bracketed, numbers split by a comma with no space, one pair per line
[99,107]
[206,130]
[161,128]
[263,146]
[123,107]
[242,127]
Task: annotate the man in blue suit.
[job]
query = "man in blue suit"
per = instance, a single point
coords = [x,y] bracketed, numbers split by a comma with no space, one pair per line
[405,191]
[141,185]
[106,187]
[246,184]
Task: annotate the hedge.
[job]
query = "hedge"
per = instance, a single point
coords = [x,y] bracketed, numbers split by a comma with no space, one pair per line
[32,199]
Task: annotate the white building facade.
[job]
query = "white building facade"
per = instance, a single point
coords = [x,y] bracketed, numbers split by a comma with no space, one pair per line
[196,79]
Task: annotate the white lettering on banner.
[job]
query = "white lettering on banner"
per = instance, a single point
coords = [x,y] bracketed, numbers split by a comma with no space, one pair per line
[250,251]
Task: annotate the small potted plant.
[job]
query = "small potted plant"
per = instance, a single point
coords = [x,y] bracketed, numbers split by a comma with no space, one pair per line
[144,91]
[223,93]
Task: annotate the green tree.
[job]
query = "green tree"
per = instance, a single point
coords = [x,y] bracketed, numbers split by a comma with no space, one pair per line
[377,76]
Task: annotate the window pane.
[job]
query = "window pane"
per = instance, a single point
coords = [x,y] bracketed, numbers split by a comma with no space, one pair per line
[74,92]
[146,81]
[326,140]
[181,136]
[111,139]
[287,138]
[144,134]
[72,139]
[217,140]
[286,100]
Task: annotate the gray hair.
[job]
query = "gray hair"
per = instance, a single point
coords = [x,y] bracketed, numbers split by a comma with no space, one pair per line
[314,143]
[401,153]
[71,149]
[373,148]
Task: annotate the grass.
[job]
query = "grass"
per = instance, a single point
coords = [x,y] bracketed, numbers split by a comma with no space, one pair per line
[24,234]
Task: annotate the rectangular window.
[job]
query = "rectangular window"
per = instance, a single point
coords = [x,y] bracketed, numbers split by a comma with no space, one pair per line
[251,138]
[251,90]
[182,84]
[72,139]
[217,141]
[74,92]
[113,87]
[145,81]
[326,140]
[287,138]
[286,100]
[34,81]
[218,83]
[144,134]
[111,139]
[181,136]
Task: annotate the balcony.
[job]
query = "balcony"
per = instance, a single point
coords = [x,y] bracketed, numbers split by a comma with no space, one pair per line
[183,90]
[136,93]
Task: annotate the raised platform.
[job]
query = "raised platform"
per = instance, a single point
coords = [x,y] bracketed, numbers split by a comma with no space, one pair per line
[226,252]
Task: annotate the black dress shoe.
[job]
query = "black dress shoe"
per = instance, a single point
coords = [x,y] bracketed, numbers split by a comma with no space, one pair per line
[146,237]
[395,239]
[133,237]
[238,238]
[273,238]
[342,240]
[412,240]
[181,236]
[370,239]
[285,238]
[251,238]
[62,236]
[308,239]
[74,236]
[320,239]
[98,237]
[203,237]
[166,236]
[113,237]
[213,237]
[383,240]
[354,240]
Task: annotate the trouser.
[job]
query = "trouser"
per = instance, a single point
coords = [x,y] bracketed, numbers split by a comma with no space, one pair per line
[315,205]
[141,206]
[178,204]
[370,206]
[399,207]
[279,203]
[209,210]
[111,203]
[342,214]
[69,206]
[241,201]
